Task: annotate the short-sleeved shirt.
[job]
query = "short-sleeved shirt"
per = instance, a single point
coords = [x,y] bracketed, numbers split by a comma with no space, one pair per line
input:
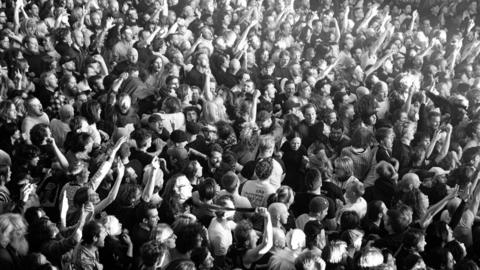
[257,192]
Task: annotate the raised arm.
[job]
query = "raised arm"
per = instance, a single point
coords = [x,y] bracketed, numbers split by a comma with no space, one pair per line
[436,208]
[446,144]
[114,191]
[243,39]
[206,88]
[150,186]
[345,19]
[58,153]
[256,253]
[106,165]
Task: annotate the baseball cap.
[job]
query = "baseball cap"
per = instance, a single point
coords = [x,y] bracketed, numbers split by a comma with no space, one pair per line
[318,204]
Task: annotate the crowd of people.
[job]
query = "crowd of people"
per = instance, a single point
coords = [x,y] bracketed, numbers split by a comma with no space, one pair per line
[239,134]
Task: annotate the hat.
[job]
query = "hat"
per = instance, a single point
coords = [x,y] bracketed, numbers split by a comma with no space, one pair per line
[155,118]
[263,116]
[290,104]
[178,136]
[229,181]
[178,153]
[318,204]
[66,111]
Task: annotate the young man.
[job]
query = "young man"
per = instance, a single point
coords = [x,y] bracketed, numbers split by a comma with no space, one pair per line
[85,255]
[258,191]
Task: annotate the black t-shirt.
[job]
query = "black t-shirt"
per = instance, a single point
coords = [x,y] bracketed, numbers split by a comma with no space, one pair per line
[143,157]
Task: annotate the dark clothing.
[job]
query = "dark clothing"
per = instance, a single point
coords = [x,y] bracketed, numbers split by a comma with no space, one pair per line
[113,255]
[383,190]
[9,259]
[194,77]
[392,242]
[310,133]
[294,165]
[53,249]
[333,191]
[143,157]
[403,153]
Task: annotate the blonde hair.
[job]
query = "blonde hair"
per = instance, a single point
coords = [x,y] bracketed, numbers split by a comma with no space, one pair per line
[9,225]
[345,163]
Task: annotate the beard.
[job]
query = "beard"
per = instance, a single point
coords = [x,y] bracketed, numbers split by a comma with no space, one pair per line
[20,245]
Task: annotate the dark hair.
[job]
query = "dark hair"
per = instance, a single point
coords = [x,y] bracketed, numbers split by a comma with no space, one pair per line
[466,265]
[411,238]
[90,231]
[142,211]
[456,249]
[215,147]
[207,189]
[349,220]
[382,133]
[312,229]
[242,232]
[79,142]
[398,220]
[25,153]
[199,255]
[141,136]
[9,129]
[374,208]
[337,125]
[264,168]
[38,133]
[187,237]
[313,179]
[183,264]
[150,252]
[89,110]
[363,137]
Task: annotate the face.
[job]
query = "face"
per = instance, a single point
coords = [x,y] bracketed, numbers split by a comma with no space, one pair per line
[101,238]
[336,134]
[295,143]
[184,188]
[271,91]
[216,159]
[306,92]
[310,116]
[32,45]
[128,35]
[152,218]
[36,107]
[388,141]
[124,104]
[12,113]
[435,122]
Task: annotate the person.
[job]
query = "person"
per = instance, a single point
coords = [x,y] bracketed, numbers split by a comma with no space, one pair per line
[220,230]
[14,242]
[246,252]
[257,191]
[85,255]
[277,104]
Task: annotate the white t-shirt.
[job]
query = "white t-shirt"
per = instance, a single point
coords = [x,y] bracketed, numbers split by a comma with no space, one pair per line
[257,192]
[220,235]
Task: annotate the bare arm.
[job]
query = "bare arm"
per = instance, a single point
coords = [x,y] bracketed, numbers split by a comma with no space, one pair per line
[114,191]
[446,144]
[150,186]
[256,253]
